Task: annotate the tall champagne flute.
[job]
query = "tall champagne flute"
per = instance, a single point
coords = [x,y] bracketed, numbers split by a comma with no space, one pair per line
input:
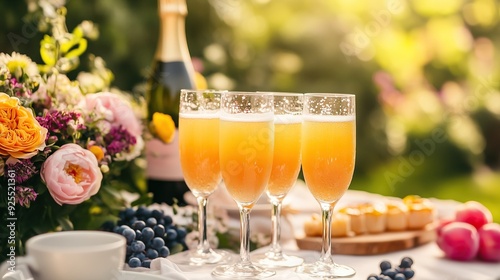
[199,155]
[286,166]
[328,158]
[246,157]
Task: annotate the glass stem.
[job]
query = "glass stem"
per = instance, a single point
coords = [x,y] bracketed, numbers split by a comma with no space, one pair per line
[203,244]
[326,250]
[276,227]
[245,235]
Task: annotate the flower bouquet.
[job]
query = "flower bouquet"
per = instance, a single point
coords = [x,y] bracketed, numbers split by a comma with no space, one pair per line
[64,144]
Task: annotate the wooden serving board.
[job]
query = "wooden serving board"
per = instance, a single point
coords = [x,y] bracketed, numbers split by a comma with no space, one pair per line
[372,244]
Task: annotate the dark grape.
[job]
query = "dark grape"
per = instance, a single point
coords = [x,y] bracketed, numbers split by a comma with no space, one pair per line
[147,234]
[401,272]
[399,276]
[151,253]
[159,230]
[134,262]
[129,213]
[141,210]
[137,246]
[168,220]
[146,263]
[141,256]
[171,234]
[138,234]
[181,233]
[151,222]
[391,272]
[157,243]
[406,262]
[139,225]
[409,273]
[129,235]
[384,265]
[150,234]
[164,252]
[157,214]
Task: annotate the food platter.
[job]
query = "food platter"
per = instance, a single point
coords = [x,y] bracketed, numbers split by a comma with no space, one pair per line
[372,244]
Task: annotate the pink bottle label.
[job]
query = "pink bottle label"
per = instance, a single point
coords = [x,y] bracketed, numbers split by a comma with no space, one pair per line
[163,160]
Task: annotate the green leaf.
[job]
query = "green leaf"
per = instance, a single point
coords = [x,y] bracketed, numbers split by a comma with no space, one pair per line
[145,199]
[65,223]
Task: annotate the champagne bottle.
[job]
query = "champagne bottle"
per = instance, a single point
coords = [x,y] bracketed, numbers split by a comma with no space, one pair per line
[172,71]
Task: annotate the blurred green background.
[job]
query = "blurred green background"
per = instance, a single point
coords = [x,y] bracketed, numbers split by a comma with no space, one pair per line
[426,74]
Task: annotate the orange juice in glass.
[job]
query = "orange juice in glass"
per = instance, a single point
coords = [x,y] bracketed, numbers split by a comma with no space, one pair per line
[286,160]
[286,167]
[328,155]
[246,158]
[200,151]
[246,154]
[199,154]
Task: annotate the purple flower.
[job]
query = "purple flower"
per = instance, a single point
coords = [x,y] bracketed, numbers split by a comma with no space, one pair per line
[118,140]
[25,195]
[23,169]
[59,122]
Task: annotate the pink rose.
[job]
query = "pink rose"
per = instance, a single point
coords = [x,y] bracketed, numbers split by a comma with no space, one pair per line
[71,174]
[114,109]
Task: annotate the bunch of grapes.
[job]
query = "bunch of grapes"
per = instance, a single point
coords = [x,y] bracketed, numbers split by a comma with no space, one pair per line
[150,234]
[387,272]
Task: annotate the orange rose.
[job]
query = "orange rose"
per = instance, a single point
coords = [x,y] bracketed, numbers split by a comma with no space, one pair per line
[20,133]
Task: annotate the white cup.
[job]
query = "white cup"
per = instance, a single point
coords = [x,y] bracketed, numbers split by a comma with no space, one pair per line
[76,255]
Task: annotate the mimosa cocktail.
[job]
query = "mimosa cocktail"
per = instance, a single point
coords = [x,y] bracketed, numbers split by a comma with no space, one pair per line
[246,155]
[328,155]
[199,151]
[286,160]
[199,155]
[246,158]
[286,167]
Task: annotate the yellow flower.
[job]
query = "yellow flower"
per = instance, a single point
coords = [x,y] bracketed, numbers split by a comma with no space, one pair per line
[163,127]
[200,81]
[20,133]
[97,151]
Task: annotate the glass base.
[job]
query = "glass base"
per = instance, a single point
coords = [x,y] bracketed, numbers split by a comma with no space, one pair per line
[197,258]
[241,271]
[326,270]
[273,260]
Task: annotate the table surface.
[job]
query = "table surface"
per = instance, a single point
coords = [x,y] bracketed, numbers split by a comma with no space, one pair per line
[429,262]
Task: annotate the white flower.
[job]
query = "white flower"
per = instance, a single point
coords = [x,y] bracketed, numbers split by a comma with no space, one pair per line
[90,82]
[134,152]
[18,63]
[65,93]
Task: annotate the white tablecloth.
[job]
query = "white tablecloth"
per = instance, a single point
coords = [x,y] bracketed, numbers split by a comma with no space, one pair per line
[429,264]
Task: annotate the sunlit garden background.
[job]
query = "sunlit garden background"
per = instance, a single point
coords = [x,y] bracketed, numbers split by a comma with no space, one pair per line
[426,74]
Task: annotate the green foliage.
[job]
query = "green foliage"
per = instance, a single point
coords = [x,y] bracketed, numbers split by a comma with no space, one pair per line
[415,66]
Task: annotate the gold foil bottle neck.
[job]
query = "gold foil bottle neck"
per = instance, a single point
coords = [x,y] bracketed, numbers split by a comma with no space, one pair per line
[172,7]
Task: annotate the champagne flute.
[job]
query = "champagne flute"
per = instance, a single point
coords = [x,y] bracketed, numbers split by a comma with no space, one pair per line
[199,155]
[246,157]
[286,166]
[328,158]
